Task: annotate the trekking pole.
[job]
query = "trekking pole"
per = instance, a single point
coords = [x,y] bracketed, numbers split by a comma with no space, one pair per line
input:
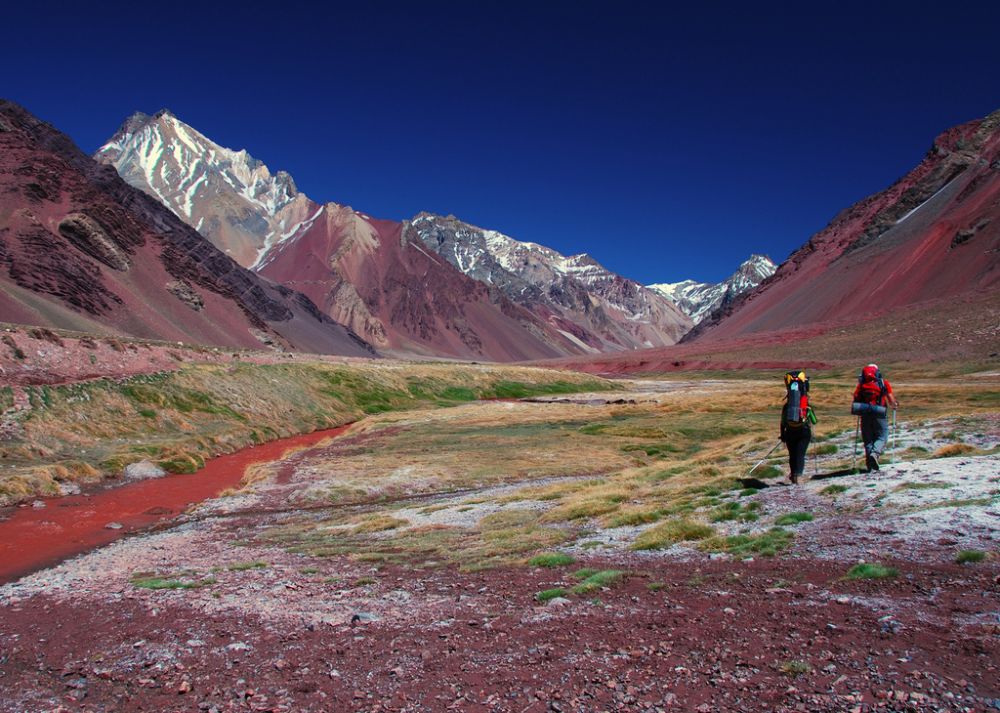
[763,459]
[857,431]
[892,450]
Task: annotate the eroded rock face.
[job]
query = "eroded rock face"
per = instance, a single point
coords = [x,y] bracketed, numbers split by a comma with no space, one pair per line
[87,235]
[186,294]
[77,244]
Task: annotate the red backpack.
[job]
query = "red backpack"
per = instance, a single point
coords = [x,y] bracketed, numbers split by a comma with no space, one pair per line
[871,386]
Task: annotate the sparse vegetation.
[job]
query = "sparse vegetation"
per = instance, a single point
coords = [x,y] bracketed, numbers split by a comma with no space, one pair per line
[551,559]
[181,580]
[243,566]
[765,544]
[834,489]
[871,570]
[598,580]
[795,668]
[547,594]
[969,556]
[792,518]
[672,532]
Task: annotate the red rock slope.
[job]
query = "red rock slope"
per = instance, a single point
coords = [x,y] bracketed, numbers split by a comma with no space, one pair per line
[933,235]
[80,249]
[402,297]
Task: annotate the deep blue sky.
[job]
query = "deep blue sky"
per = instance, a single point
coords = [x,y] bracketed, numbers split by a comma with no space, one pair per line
[668,143]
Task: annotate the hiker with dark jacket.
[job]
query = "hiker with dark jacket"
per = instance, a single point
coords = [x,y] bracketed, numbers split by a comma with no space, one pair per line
[872,397]
[796,416]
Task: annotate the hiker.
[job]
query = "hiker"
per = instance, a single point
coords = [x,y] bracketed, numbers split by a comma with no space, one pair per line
[872,395]
[796,417]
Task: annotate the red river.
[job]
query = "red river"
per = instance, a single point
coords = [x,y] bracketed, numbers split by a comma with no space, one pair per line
[33,538]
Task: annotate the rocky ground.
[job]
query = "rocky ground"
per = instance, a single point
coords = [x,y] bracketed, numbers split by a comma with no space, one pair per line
[213,612]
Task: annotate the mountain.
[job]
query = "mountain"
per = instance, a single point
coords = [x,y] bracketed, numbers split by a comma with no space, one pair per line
[381,278]
[80,249]
[596,308]
[934,235]
[227,195]
[698,300]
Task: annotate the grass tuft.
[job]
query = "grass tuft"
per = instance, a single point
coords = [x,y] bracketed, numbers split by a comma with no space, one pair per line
[551,559]
[547,594]
[793,518]
[969,556]
[833,490]
[672,532]
[598,580]
[871,570]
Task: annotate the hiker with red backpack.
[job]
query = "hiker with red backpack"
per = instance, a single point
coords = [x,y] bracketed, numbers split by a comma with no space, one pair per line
[872,398]
[796,420]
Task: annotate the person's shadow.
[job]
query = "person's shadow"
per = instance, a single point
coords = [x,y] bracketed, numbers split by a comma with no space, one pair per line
[758,484]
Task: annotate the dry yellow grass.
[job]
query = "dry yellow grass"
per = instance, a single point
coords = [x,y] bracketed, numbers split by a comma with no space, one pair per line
[673,462]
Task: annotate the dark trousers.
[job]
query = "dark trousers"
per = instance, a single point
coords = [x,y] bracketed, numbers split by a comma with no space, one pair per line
[797,441]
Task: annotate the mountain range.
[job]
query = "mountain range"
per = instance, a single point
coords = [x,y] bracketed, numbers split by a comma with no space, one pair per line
[80,249]
[186,240]
[699,300]
[432,285]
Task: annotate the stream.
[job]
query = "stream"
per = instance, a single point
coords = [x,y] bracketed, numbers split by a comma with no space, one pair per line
[32,538]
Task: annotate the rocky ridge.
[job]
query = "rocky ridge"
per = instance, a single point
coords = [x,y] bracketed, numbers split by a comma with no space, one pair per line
[379,277]
[598,309]
[699,300]
[81,249]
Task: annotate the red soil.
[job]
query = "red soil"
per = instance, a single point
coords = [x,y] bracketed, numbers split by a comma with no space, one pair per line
[760,636]
[33,538]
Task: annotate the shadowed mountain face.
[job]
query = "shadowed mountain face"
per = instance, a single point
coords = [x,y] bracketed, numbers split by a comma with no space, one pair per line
[392,283]
[933,235]
[81,249]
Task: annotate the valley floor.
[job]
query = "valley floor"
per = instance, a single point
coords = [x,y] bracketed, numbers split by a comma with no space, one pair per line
[571,553]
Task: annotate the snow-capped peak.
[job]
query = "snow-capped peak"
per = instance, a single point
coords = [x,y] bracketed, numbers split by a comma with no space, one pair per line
[699,299]
[207,185]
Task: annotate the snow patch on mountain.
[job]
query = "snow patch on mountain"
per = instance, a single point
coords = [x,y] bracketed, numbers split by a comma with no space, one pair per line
[700,299]
[613,313]
[234,199]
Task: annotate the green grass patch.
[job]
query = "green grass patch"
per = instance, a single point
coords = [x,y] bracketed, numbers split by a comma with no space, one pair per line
[145,580]
[551,559]
[833,490]
[672,532]
[969,556]
[547,594]
[243,566]
[871,570]
[598,580]
[765,544]
[736,511]
[768,472]
[793,518]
